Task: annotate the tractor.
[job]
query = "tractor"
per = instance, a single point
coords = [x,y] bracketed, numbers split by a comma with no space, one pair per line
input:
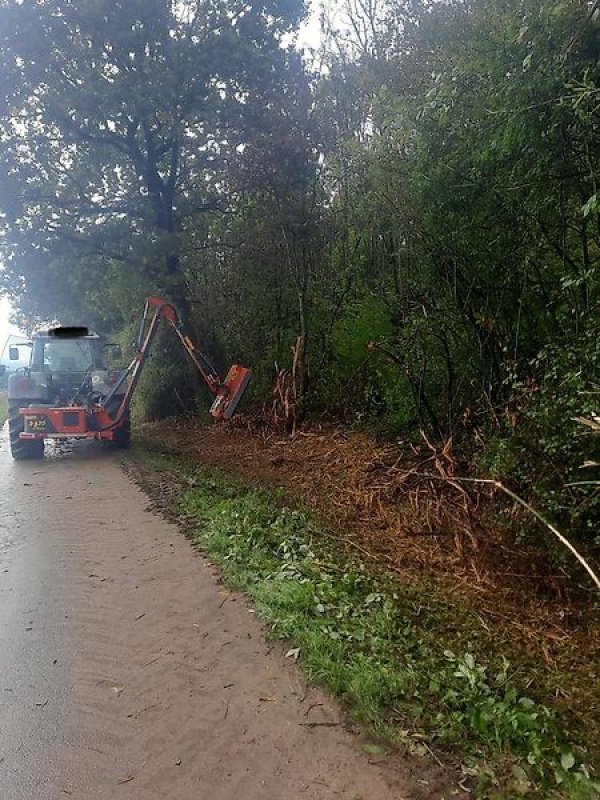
[68,391]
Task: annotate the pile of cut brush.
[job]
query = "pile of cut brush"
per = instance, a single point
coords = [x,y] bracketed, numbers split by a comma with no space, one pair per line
[400,503]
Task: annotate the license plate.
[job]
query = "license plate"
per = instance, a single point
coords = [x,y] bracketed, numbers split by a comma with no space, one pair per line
[35,424]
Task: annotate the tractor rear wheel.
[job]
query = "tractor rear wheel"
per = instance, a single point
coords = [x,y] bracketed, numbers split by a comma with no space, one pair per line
[21,449]
[122,436]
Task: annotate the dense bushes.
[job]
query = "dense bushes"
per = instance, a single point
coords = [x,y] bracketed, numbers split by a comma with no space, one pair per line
[451,218]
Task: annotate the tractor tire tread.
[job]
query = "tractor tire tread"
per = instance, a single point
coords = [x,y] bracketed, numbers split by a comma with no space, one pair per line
[21,449]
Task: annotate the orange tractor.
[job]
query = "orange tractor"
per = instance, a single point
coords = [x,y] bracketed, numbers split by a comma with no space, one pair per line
[67,392]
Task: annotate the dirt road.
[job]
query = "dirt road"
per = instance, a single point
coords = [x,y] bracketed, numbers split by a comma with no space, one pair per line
[128,671]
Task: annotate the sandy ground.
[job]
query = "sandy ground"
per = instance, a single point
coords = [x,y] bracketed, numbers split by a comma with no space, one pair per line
[127,670]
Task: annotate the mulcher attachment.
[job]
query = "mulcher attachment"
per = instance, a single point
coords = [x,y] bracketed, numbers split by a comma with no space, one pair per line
[231,392]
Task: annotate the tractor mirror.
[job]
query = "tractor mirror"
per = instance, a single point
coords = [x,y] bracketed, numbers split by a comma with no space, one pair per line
[13,353]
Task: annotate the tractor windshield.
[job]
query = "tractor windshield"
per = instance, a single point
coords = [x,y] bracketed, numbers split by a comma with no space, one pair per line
[68,355]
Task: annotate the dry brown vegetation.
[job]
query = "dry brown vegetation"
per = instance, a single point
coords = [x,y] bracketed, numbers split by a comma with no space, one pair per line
[385,501]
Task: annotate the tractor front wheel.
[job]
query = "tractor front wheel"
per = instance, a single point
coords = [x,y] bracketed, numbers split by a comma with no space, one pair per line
[21,449]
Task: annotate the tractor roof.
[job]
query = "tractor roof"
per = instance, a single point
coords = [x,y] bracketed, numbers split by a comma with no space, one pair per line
[64,332]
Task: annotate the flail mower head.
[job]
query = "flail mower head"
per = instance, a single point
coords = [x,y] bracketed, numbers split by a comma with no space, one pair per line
[231,392]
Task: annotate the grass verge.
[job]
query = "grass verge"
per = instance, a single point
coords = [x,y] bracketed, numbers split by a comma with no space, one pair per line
[3,408]
[405,660]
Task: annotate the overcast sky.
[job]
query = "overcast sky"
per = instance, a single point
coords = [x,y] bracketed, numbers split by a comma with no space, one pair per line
[309,33]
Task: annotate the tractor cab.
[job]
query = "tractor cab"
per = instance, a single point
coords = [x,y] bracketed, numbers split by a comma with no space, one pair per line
[71,359]
[56,352]
[68,364]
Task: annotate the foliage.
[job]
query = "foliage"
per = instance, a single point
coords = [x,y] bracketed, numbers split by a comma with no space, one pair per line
[115,131]
[541,426]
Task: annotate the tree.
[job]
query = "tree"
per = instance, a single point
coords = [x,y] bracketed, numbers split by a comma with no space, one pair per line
[117,122]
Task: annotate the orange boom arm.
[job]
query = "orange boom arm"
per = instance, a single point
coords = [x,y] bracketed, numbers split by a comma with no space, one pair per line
[227,393]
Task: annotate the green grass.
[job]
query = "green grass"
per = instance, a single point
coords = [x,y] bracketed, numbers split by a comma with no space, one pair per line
[405,661]
[3,408]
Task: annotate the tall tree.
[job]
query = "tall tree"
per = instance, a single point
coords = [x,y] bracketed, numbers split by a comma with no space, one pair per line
[117,121]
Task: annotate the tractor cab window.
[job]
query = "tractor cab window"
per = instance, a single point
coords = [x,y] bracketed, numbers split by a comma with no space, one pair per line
[68,355]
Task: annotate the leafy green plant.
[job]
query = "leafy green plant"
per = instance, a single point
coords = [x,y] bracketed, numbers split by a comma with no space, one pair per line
[543,449]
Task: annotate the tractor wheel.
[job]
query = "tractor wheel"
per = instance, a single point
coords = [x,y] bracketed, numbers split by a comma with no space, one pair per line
[21,449]
[122,436]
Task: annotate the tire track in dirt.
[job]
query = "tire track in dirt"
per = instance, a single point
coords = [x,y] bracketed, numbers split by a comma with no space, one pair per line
[155,680]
